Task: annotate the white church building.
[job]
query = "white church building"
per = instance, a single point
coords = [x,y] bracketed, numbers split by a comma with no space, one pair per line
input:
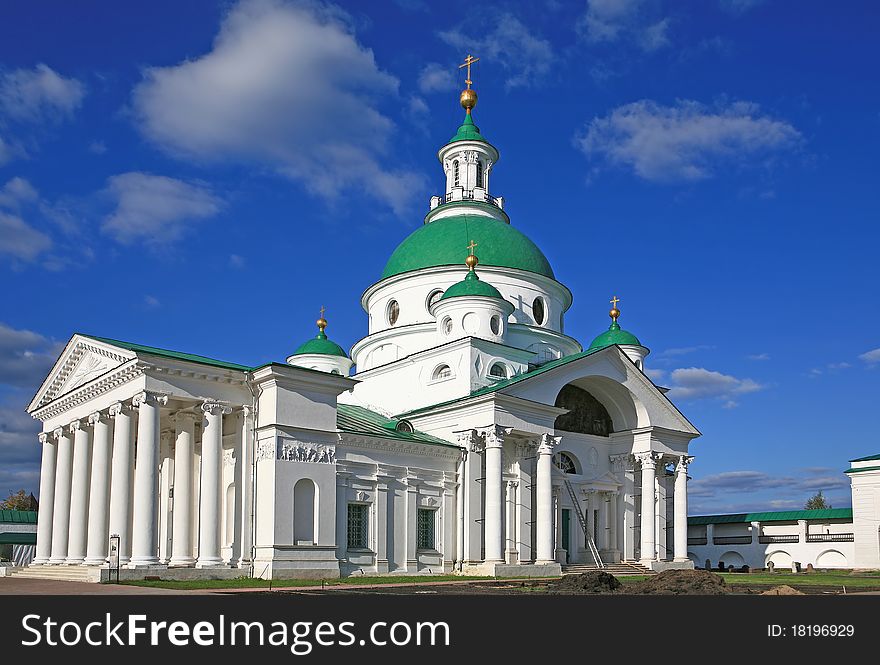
[475,435]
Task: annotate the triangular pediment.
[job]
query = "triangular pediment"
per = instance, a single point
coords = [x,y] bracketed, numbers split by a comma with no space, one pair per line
[82,361]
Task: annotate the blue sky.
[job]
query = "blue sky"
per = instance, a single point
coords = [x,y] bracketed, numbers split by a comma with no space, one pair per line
[204,176]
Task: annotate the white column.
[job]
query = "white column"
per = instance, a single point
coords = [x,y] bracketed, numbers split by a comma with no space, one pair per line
[613,519]
[342,516]
[47,499]
[166,482]
[649,463]
[590,496]
[61,506]
[99,491]
[209,484]
[122,466]
[244,484]
[680,509]
[181,528]
[79,495]
[494,507]
[604,536]
[411,497]
[510,528]
[544,499]
[557,509]
[380,521]
[145,527]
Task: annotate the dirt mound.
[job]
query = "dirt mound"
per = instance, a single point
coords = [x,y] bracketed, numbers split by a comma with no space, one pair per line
[783,590]
[681,582]
[593,581]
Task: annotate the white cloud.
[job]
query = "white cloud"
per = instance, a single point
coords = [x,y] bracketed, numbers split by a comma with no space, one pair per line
[525,56]
[684,350]
[25,357]
[97,147]
[608,21]
[38,93]
[20,240]
[435,77]
[693,383]
[655,374]
[285,85]
[685,142]
[759,356]
[871,357]
[16,192]
[155,209]
[236,261]
[739,6]
[151,301]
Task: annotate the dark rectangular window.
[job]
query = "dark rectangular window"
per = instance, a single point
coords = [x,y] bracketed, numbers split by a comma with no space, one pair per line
[426,529]
[357,526]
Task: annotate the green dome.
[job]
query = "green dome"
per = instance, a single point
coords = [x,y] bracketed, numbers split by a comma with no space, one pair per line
[471,286]
[468,131]
[442,243]
[614,335]
[321,345]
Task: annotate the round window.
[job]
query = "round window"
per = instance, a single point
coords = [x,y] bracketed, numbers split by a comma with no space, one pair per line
[538,312]
[498,371]
[446,326]
[392,312]
[564,463]
[495,325]
[432,298]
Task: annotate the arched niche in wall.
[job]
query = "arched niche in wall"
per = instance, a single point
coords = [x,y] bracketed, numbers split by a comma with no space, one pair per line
[304,511]
[586,415]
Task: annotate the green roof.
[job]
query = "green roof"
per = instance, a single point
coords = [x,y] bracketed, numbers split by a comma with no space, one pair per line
[778,516]
[468,131]
[358,420]
[863,468]
[170,354]
[471,285]
[18,538]
[866,459]
[321,345]
[443,243]
[614,335]
[18,516]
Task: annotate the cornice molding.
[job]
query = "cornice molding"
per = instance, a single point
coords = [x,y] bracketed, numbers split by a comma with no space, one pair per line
[389,445]
[103,384]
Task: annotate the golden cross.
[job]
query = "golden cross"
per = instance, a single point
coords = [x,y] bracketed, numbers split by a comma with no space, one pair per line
[471,247]
[322,311]
[614,300]
[468,61]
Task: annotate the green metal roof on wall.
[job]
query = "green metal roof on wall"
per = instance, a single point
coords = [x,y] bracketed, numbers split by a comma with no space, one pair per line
[615,335]
[471,285]
[321,345]
[131,346]
[18,516]
[358,420]
[862,469]
[468,131]
[869,458]
[443,243]
[777,516]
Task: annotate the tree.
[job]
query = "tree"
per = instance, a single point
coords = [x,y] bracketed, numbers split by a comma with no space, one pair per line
[817,502]
[20,500]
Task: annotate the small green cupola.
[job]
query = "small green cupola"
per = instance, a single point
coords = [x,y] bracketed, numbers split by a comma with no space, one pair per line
[471,285]
[468,130]
[472,307]
[623,338]
[321,352]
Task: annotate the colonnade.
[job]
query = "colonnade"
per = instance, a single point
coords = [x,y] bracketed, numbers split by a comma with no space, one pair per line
[100,477]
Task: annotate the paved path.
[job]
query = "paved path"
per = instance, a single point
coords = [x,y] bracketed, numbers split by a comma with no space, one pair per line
[26,586]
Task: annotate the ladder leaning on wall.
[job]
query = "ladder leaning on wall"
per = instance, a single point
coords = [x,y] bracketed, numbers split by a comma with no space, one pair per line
[591,544]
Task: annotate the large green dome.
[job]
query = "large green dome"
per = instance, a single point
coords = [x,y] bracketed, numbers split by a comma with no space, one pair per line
[444,241]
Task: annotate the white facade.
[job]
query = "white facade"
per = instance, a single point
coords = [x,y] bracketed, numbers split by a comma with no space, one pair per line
[470,439]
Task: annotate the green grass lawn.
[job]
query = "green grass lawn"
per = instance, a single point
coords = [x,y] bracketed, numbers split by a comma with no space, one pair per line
[249,582]
[837,579]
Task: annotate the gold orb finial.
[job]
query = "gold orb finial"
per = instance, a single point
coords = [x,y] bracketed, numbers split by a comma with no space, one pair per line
[471,261]
[468,97]
[614,313]
[321,322]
